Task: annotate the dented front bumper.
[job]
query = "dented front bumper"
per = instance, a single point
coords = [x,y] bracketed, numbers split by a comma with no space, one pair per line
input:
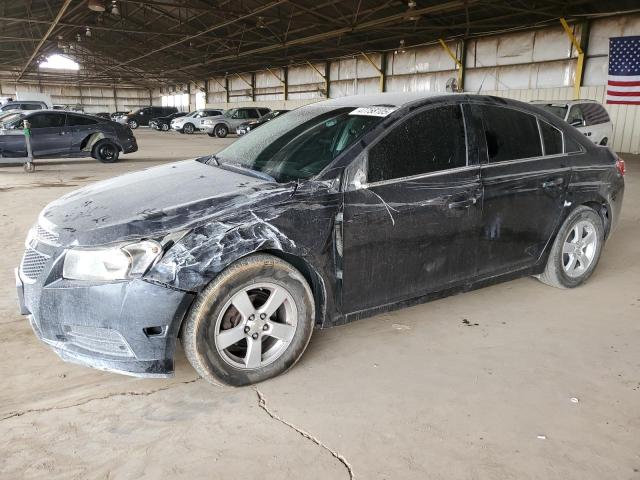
[128,327]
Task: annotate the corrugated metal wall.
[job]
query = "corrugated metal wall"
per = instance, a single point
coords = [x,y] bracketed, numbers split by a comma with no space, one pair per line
[92,99]
[535,64]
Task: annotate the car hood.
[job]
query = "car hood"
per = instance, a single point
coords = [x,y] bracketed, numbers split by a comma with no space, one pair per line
[153,202]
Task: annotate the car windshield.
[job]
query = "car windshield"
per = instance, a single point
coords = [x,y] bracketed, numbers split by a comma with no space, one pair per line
[9,121]
[298,145]
[559,111]
[229,113]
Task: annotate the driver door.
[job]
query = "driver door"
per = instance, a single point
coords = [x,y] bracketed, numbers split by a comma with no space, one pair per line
[49,135]
[411,212]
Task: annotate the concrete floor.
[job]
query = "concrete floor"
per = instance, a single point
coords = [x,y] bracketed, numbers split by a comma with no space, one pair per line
[415,394]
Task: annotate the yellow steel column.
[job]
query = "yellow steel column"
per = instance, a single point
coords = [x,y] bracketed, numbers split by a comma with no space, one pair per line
[580,64]
[459,65]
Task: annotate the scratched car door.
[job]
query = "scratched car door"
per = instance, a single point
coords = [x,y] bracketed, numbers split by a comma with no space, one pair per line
[411,227]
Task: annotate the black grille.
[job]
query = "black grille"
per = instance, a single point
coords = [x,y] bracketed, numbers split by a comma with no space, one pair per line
[33,264]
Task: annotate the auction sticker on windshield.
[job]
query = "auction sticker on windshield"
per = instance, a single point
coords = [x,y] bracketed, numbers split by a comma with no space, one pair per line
[374,111]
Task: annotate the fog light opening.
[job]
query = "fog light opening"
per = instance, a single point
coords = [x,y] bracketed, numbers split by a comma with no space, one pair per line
[153,331]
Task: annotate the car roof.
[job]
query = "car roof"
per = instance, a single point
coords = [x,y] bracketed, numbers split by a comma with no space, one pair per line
[562,102]
[396,99]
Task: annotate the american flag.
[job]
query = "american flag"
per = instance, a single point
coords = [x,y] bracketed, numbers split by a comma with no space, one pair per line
[623,85]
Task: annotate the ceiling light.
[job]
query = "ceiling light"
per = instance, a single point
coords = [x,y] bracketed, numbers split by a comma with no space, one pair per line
[114,9]
[96,5]
[411,4]
[260,23]
[78,38]
[87,32]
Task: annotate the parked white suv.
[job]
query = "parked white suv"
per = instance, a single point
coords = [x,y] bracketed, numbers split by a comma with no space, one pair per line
[588,116]
[192,122]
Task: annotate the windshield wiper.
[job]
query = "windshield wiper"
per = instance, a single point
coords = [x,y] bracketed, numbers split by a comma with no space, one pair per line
[246,171]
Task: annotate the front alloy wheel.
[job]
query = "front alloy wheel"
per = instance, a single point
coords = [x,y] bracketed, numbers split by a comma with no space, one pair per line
[251,323]
[133,124]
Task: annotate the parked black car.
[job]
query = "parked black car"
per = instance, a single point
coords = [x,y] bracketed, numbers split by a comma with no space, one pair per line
[333,212]
[61,134]
[246,127]
[116,115]
[164,123]
[142,116]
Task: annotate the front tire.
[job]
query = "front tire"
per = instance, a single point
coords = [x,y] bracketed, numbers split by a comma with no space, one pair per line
[251,323]
[133,124]
[576,250]
[164,127]
[221,130]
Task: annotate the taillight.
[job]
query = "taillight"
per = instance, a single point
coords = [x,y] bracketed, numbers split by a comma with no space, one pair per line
[620,166]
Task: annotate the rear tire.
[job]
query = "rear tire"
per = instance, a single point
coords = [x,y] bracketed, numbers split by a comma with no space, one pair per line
[106,151]
[189,128]
[263,336]
[576,250]
[133,124]
[164,127]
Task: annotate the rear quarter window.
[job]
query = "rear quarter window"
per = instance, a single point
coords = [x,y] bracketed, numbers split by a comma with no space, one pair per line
[552,139]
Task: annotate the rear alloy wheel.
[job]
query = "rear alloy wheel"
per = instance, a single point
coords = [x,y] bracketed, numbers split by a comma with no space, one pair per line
[164,127]
[221,130]
[106,151]
[189,128]
[251,323]
[133,124]
[576,249]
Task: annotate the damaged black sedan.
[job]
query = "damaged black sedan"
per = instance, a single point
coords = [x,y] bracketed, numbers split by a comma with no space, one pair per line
[333,212]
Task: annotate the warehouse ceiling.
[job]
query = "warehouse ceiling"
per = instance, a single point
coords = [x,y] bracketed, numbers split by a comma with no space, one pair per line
[151,42]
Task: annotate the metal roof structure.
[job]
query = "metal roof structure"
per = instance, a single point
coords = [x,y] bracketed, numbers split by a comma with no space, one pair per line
[151,42]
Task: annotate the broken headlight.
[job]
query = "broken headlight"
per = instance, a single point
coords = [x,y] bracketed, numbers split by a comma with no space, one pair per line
[119,262]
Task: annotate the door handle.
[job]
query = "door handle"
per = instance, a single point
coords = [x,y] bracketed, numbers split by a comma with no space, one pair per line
[463,203]
[556,182]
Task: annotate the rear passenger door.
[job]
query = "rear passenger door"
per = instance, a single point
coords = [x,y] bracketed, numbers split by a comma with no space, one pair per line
[80,128]
[411,228]
[524,185]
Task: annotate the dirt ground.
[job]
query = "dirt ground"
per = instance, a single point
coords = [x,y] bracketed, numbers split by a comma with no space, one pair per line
[515,381]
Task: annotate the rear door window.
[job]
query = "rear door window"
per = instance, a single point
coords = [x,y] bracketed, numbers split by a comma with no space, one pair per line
[510,134]
[46,120]
[594,114]
[78,120]
[552,138]
[429,141]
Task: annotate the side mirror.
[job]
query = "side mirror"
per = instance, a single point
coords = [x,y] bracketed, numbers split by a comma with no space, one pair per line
[358,182]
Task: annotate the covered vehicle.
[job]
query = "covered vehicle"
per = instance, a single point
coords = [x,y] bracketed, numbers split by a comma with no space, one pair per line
[220,126]
[61,134]
[164,123]
[246,127]
[333,212]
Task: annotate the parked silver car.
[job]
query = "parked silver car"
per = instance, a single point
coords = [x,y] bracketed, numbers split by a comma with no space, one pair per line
[192,122]
[220,126]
